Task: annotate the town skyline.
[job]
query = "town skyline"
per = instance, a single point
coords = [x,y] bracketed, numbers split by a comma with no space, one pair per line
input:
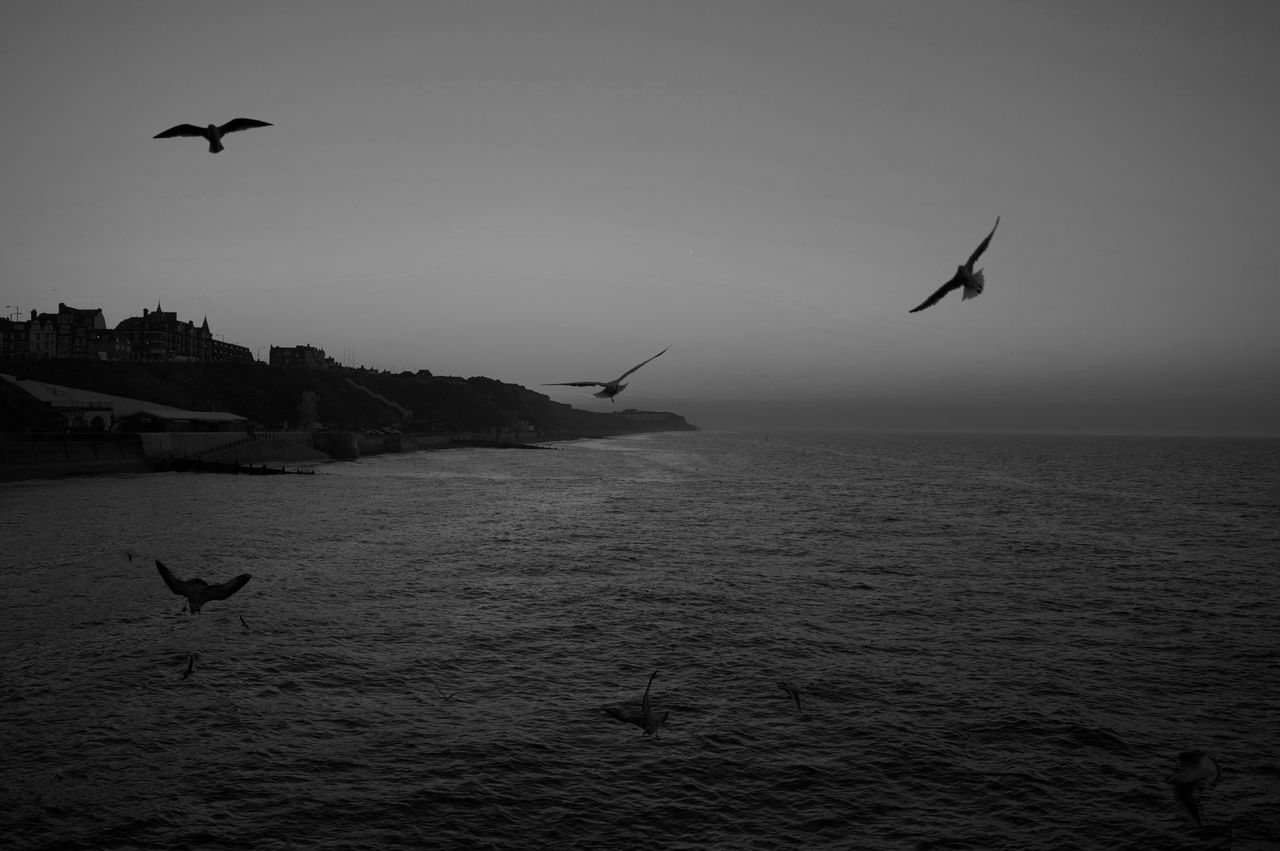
[34,313]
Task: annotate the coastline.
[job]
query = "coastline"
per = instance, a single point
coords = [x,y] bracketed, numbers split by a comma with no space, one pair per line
[46,456]
[78,417]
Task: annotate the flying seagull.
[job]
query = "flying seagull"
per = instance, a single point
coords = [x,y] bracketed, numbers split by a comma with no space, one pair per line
[1197,768]
[213,133]
[964,277]
[610,388]
[197,591]
[645,719]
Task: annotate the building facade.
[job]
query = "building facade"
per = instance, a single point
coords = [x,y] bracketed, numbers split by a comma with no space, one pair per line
[83,333]
[298,356]
[159,336]
[72,332]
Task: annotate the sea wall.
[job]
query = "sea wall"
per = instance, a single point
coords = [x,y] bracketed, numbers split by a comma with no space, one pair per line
[277,447]
[376,444]
[24,456]
[30,456]
[339,445]
[27,456]
[183,444]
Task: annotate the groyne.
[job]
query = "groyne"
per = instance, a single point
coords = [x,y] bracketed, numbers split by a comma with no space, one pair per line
[195,465]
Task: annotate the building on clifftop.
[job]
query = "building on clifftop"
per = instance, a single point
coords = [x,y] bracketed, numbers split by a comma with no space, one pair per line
[72,332]
[158,336]
[298,356]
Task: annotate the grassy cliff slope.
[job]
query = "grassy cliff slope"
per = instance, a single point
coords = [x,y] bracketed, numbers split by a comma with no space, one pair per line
[348,399]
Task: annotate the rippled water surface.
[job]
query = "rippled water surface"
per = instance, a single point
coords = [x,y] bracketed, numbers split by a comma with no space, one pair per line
[1002,642]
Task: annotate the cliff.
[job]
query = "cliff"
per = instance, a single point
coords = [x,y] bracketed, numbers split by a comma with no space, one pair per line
[346,399]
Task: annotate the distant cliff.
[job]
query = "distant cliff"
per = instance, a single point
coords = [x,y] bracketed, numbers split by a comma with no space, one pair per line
[346,399]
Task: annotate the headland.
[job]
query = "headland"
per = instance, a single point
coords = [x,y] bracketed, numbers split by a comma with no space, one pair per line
[61,417]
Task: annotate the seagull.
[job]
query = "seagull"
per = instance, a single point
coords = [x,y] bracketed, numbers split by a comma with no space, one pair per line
[445,696]
[1197,768]
[645,719]
[212,133]
[611,388]
[964,277]
[793,691]
[197,591]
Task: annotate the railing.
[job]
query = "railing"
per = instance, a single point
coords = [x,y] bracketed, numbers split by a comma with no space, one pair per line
[83,404]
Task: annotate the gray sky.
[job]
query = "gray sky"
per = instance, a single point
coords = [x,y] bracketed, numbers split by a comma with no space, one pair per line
[553,191]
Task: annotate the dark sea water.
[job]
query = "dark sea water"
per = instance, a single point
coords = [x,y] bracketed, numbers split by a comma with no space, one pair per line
[1002,642]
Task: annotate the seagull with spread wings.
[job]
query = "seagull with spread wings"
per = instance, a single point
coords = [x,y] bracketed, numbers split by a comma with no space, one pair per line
[213,133]
[609,388]
[1199,771]
[197,591]
[972,281]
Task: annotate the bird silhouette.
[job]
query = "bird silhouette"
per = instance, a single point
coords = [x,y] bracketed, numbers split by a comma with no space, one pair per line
[793,692]
[645,719]
[212,133]
[1198,772]
[609,388]
[197,591]
[972,281]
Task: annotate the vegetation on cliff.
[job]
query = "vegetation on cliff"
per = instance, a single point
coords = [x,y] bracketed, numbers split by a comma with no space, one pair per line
[346,399]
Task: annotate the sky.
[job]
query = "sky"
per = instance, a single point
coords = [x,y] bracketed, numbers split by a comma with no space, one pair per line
[547,191]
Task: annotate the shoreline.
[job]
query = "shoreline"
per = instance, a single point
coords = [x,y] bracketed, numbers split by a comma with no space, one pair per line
[24,457]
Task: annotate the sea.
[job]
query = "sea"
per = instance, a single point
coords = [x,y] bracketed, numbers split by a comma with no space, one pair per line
[999,642]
